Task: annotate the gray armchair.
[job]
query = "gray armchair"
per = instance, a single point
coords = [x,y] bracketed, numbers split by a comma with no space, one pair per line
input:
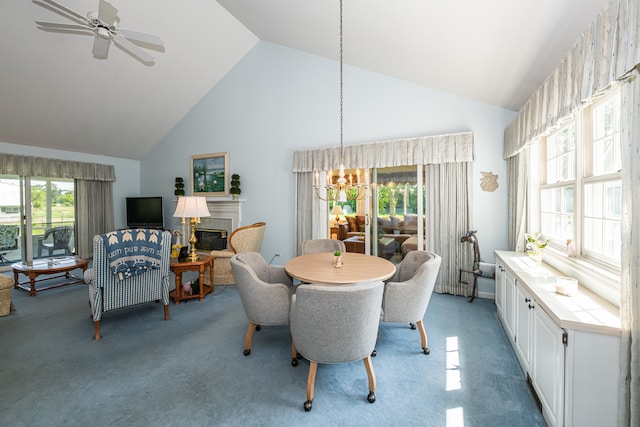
[408,291]
[322,245]
[265,291]
[336,324]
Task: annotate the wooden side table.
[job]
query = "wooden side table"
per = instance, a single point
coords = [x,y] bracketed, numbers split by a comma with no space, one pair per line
[200,266]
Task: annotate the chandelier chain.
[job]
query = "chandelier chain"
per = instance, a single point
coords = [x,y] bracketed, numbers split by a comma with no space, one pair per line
[341,90]
[342,189]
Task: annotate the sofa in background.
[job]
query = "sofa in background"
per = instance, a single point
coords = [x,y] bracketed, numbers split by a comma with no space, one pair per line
[392,234]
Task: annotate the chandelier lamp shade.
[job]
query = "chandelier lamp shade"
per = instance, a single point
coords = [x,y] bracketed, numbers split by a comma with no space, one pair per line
[340,189]
[193,208]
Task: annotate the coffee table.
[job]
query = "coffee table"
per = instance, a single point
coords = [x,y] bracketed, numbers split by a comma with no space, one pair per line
[54,267]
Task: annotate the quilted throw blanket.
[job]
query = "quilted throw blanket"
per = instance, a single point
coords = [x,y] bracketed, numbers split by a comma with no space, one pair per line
[131,252]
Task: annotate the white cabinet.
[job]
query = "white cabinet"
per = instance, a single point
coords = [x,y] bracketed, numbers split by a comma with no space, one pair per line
[548,364]
[568,347]
[524,326]
[499,297]
[509,309]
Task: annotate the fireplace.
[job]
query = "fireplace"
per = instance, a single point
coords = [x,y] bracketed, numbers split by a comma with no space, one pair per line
[226,216]
[211,240]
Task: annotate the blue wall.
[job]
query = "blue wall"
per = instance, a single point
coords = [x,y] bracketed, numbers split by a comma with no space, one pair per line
[278,100]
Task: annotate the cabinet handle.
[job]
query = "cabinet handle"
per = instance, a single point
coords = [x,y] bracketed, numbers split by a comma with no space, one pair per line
[527,300]
[531,306]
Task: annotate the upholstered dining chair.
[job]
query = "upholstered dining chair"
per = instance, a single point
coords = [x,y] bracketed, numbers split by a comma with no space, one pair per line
[322,245]
[265,291]
[108,290]
[243,239]
[336,324]
[407,293]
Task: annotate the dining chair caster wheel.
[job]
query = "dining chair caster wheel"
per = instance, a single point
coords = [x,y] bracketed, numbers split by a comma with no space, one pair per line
[412,325]
[258,327]
[307,405]
[372,397]
[374,353]
[247,351]
[426,350]
[294,362]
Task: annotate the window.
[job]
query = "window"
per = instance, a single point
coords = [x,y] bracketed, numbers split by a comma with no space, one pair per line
[581,187]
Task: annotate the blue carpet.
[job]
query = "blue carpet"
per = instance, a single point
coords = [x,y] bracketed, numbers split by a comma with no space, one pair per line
[190,370]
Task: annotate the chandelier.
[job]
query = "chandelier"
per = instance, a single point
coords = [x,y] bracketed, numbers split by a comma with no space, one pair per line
[341,189]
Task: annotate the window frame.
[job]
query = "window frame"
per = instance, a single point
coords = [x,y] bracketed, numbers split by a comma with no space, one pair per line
[600,274]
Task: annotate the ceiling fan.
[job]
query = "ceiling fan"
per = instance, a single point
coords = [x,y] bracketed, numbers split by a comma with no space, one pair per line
[104,24]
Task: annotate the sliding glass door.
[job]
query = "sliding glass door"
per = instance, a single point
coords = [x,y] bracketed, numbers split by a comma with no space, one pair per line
[397,211]
[390,220]
[42,210]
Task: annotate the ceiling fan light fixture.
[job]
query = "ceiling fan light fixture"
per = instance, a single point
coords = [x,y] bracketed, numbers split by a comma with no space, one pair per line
[103,32]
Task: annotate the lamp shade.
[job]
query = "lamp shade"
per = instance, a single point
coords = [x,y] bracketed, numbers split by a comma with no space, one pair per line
[191,207]
[337,210]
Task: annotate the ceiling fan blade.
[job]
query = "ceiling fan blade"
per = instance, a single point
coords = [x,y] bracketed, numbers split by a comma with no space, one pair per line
[107,13]
[100,47]
[134,50]
[58,26]
[136,36]
[65,9]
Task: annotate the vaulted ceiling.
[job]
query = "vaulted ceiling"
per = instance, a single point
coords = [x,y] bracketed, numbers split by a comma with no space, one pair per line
[54,93]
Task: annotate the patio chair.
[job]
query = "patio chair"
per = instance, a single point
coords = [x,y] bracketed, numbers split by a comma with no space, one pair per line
[55,239]
[8,240]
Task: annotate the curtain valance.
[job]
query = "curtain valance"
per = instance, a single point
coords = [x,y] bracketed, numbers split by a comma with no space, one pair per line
[11,164]
[608,51]
[449,148]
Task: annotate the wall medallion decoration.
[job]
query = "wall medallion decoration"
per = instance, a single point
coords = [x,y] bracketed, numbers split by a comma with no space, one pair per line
[489,181]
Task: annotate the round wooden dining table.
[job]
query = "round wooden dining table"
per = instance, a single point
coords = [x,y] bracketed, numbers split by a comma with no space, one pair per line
[318,268]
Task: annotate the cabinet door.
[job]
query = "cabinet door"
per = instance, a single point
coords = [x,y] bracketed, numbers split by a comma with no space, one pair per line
[547,362]
[524,312]
[509,304]
[499,298]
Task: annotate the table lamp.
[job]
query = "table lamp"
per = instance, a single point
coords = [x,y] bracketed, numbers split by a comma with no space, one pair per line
[194,208]
[337,211]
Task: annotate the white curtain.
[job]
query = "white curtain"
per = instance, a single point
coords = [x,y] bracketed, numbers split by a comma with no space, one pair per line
[94,212]
[630,265]
[449,160]
[449,207]
[517,193]
[608,51]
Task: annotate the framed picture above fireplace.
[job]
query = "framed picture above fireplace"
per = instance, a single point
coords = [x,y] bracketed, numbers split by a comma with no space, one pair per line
[210,174]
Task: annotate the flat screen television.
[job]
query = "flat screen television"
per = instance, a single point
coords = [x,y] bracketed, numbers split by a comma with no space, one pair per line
[145,212]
